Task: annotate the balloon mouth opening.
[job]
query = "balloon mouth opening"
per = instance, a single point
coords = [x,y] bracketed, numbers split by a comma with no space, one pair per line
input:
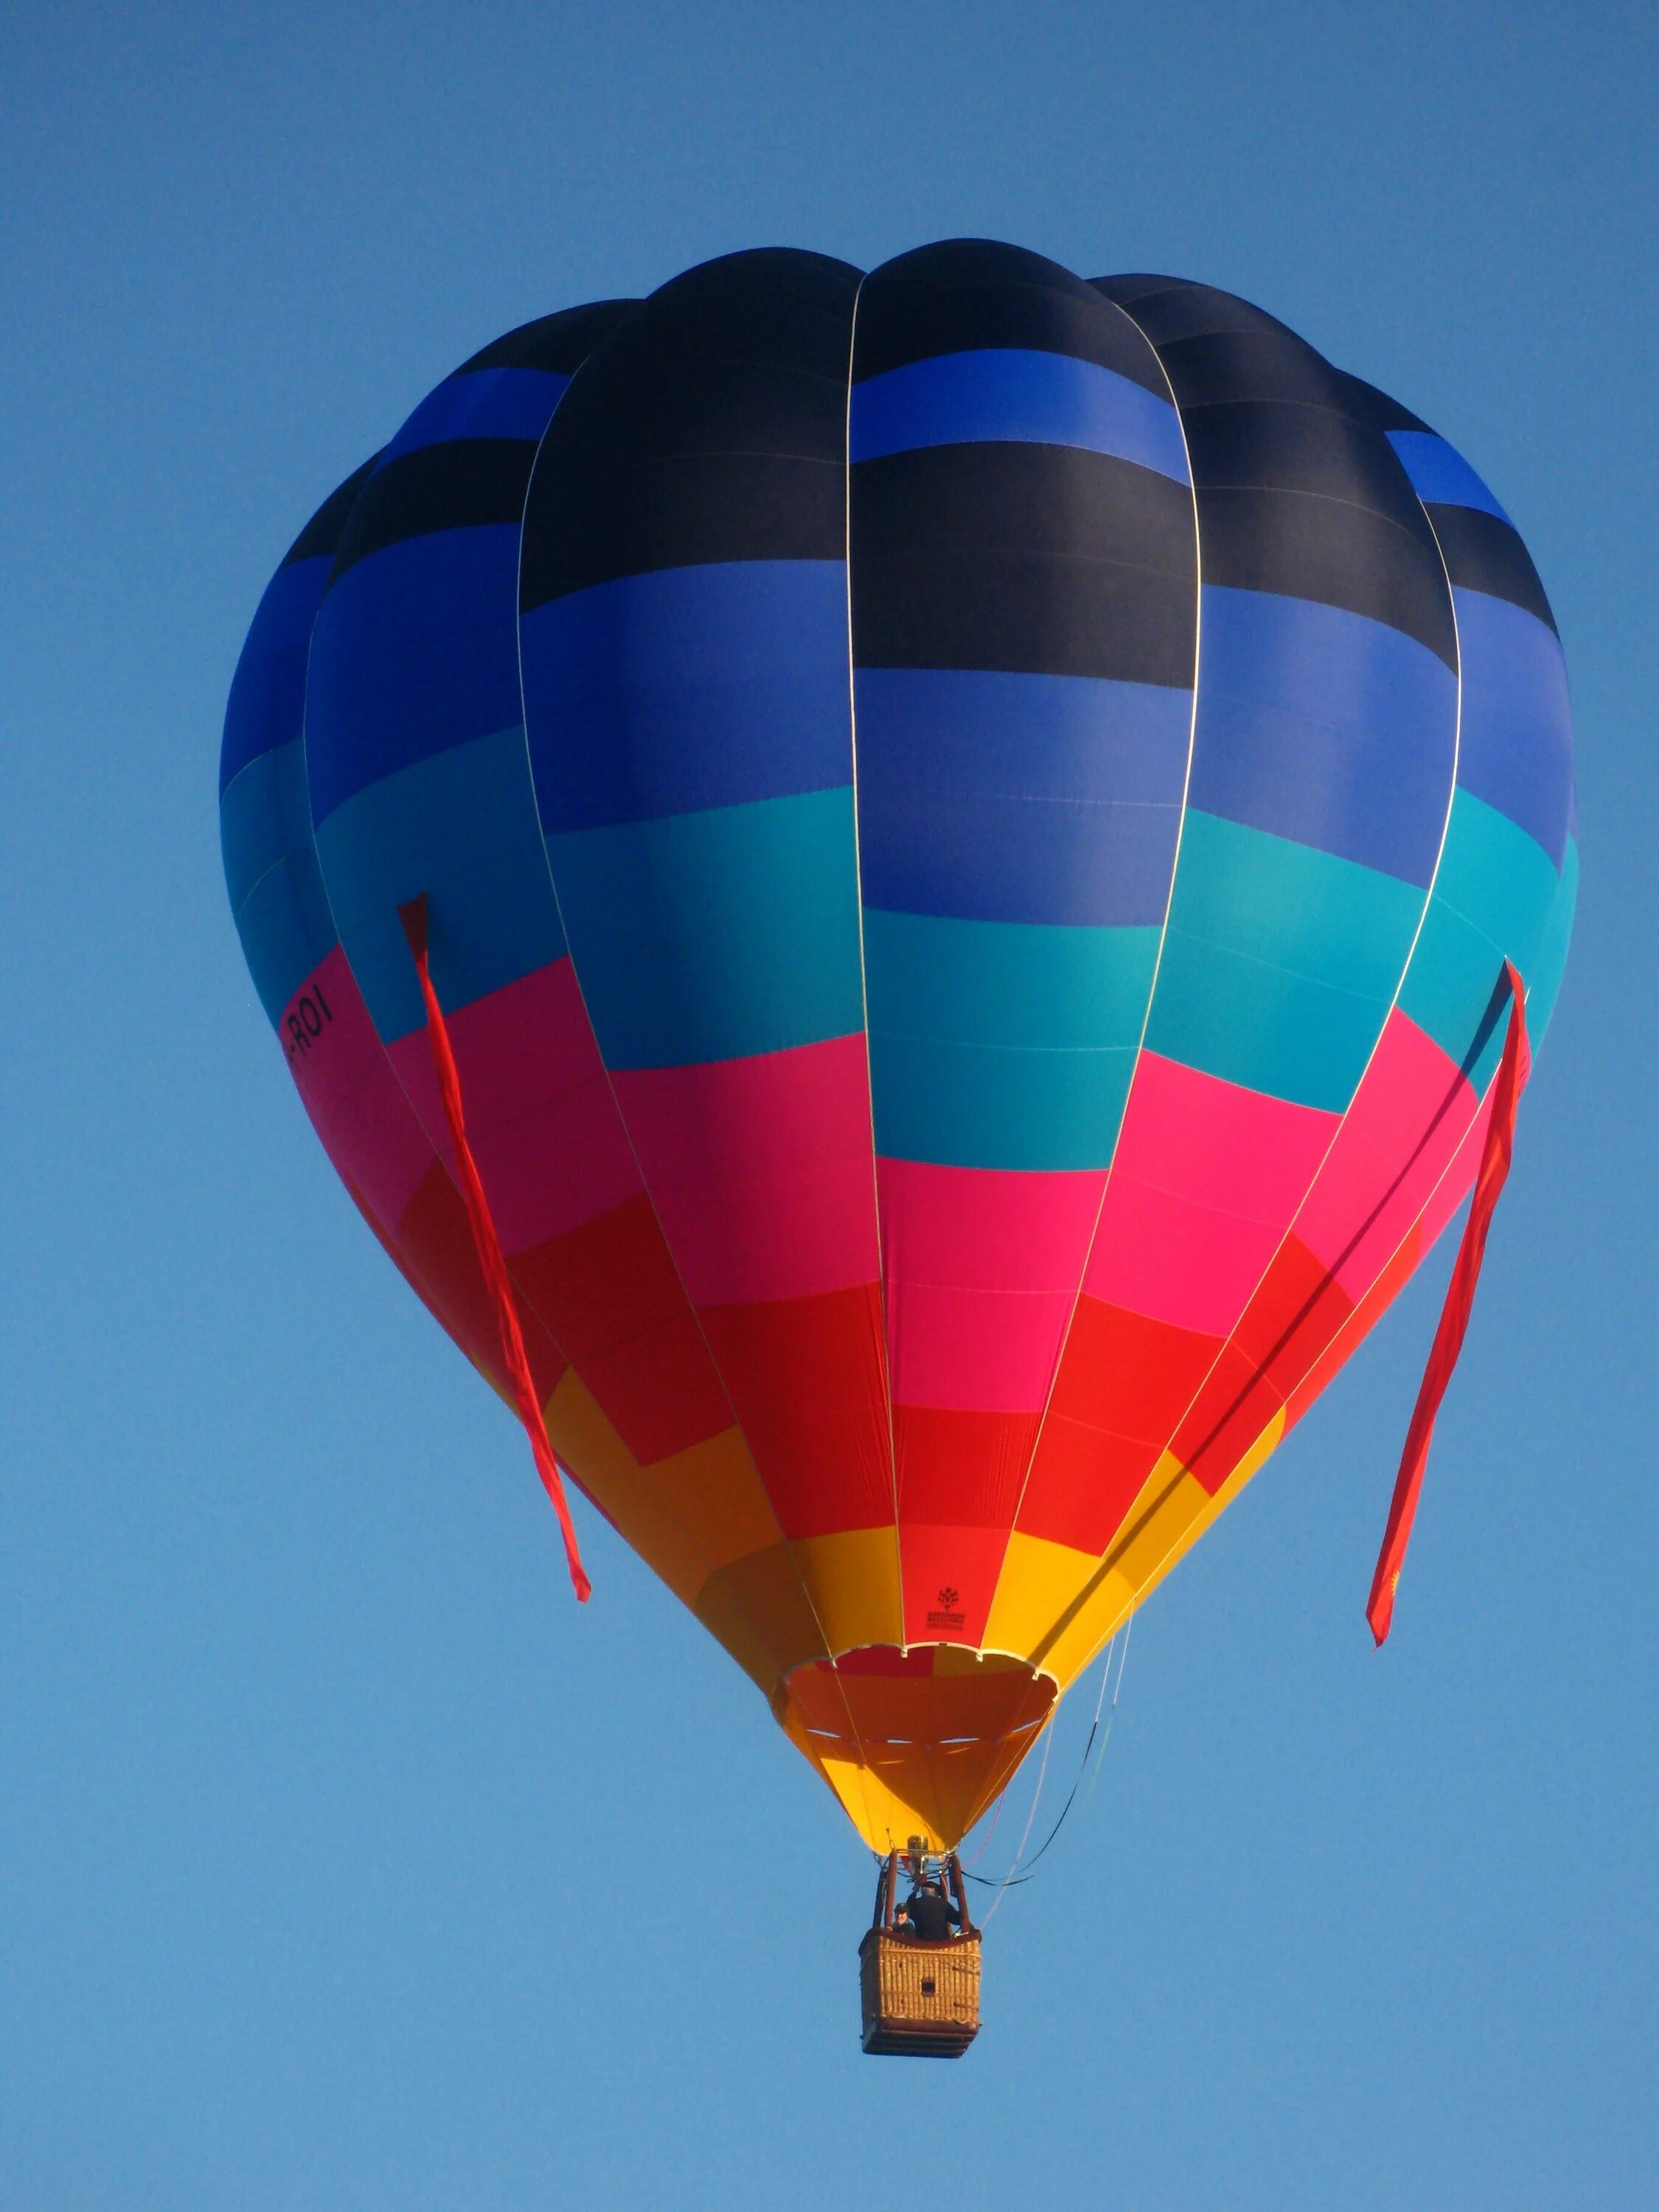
[917,1742]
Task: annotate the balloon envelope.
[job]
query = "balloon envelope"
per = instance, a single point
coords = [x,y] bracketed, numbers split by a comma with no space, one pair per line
[971,822]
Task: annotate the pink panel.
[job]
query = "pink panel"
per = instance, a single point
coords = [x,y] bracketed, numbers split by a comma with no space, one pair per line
[1218,1144]
[1206,1178]
[1408,1116]
[549,1143]
[1176,1262]
[984,1351]
[760,1171]
[357,1106]
[992,1228]
[983,1268]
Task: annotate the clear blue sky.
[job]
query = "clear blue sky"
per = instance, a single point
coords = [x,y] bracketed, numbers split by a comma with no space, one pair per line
[343,1861]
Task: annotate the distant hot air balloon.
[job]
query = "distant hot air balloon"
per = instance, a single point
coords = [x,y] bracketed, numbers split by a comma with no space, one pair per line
[971,825]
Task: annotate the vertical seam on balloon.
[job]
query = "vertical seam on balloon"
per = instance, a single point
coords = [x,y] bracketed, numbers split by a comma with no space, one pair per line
[622,1119]
[1157,963]
[863,984]
[1376,1045]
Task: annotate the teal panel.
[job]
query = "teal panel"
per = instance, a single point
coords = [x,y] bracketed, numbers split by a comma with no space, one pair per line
[461,826]
[1002,1044]
[1492,899]
[715,935]
[286,931]
[271,872]
[264,813]
[1280,963]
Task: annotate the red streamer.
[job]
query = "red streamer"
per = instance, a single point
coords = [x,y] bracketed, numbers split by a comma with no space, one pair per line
[487,1245]
[1453,1315]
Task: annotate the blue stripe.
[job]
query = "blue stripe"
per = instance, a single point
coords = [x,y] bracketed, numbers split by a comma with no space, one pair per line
[714,936]
[1002,1045]
[1324,727]
[460,826]
[485,403]
[1439,473]
[1516,748]
[686,688]
[416,649]
[266,707]
[999,395]
[1019,797]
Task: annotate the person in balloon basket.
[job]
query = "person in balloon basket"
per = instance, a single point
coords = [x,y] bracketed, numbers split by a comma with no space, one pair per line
[926,1915]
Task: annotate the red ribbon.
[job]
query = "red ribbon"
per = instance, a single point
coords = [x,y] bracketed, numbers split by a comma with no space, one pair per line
[487,1245]
[1453,1315]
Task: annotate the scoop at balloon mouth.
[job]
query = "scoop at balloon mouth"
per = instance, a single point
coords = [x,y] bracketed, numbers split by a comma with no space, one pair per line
[917,1743]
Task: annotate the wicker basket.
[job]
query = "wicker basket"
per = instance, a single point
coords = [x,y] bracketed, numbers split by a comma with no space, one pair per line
[921,2000]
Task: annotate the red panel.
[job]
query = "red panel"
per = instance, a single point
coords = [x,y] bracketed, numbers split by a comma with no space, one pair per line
[609,1280]
[1124,1372]
[1084,1481]
[1294,1316]
[435,1249]
[1370,1311]
[967,1468]
[807,1379]
[609,1293]
[1234,1407]
[949,1576]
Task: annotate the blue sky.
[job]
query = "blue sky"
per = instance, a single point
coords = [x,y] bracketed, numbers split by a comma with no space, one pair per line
[344,1862]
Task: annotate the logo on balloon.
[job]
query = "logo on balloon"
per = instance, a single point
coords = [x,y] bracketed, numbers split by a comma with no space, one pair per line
[947,1616]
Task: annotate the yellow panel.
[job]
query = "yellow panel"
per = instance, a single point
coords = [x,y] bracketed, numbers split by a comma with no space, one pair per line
[759,1612]
[1038,1581]
[884,1820]
[585,1440]
[854,1584]
[715,1493]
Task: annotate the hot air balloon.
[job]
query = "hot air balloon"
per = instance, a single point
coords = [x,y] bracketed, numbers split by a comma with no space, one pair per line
[965,831]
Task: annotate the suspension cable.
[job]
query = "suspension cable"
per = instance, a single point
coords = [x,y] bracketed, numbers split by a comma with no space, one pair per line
[1014,1878]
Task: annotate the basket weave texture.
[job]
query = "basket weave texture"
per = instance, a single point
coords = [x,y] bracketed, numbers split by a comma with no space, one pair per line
[925,1994]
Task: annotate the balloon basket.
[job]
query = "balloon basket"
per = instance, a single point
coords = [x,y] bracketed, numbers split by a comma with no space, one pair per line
[920,2000]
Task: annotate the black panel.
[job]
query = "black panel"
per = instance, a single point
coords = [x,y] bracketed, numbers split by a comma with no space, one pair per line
[1266,365]
[1483,553]
[1310,548]
[1299,492]
[1168,307]
[321,535]
[1388,414]
[559,343]
[1032,558]
[710,426]
[966,294]
[455,486]
[1265,445]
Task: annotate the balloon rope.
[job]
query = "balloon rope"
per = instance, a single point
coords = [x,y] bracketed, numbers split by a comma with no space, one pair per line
[1025,1833]
[1453,1315]
[1013,1879]
[487,1245]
